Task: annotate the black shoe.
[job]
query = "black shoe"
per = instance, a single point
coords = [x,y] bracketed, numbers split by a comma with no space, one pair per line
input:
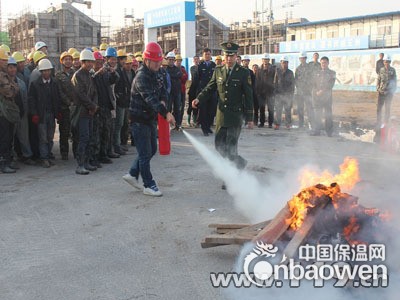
[270,126]
[105,160]
[96,163]
[29,162]
[119,151]
[113,155]
[210,131]
[45,163]
[89,167]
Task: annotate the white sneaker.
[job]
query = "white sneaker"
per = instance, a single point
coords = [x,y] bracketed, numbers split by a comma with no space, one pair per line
[133,181]
[152,191]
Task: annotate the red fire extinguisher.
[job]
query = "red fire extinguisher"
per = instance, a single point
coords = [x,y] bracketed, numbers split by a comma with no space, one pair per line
[164,142]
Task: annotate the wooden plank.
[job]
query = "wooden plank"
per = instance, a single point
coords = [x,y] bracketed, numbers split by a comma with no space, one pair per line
[227,239]
[228,226]
[303,231]
[274,230]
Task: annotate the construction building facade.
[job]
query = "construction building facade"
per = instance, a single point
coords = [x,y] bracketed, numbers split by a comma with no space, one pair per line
[60,27]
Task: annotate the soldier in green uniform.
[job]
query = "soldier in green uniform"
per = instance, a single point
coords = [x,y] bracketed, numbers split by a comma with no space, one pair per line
[233,84]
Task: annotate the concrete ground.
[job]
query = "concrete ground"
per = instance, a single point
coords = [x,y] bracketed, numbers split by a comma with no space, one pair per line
[65,236]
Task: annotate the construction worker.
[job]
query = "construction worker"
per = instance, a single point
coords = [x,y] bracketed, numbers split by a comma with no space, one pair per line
[148,99]
[322,86]
[72,50]
[184,78]
[43,98]
[22,128]
[22,72]
[41,46]
[76,63]
[105,76]
[192,93]
[175,97]
[9,114]
[86,106]
[103,47]
[303,90]
[123,95]
[265,91]
[37,57]
[386,86]
[111,66]
[218,60]
[233,84]
[67,97]
[284,90]
[245,64]
[121,58]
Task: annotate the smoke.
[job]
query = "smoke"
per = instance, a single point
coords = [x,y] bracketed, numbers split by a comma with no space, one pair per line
[257,202]
[260,202]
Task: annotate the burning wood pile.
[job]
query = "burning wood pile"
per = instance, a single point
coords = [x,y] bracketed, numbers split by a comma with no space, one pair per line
[319,213]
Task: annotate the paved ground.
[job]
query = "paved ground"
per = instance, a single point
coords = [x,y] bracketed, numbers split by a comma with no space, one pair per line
[65,236]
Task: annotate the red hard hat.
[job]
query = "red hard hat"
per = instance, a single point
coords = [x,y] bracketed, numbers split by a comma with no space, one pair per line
[153,51]
[97,55]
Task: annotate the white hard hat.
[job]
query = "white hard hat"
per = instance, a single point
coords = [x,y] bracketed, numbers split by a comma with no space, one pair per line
[303,54]
[170,55]
[387,57]
[86,55]
[265,56]
[284,58]
[45,64]
[245,57]
[40,45]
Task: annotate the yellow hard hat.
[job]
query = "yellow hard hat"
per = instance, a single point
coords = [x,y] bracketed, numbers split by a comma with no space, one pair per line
[76,54]
[139,58]
[64,54]
[178,57]
[129,60]
[94,48]
[18,56]
[71,50]
[5,47]
[138,54]
[38,55]
[121,53]
[3,54]
[30,56]
[103,46]
[218,57]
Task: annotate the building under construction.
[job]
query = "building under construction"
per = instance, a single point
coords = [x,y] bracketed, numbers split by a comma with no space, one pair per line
[60,27]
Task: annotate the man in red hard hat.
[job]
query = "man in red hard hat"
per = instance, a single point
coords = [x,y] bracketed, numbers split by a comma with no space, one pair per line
[148,99]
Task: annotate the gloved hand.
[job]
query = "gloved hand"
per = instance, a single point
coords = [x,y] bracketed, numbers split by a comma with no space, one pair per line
[59,116]
[35,119]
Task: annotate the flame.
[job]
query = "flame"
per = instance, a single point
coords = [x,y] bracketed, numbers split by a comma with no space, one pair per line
[311,184]
[308,198]
[352,228]
[347,179]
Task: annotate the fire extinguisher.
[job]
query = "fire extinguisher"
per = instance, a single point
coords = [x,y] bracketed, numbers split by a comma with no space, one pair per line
[164,142]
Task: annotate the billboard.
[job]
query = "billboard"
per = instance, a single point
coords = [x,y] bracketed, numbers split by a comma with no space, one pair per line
[344,43]
[172,14]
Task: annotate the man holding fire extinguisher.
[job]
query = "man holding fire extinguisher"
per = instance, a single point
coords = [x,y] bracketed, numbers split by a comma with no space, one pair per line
[148,99]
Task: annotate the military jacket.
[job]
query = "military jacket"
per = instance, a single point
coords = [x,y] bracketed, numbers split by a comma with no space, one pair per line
[235,95]
[387,81]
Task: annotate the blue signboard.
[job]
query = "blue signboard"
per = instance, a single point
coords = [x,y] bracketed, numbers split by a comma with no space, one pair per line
[184,11]
[344,43]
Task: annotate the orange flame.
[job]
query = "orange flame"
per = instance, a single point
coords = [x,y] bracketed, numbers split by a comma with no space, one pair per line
[347,179]
[301,202]
[352,228]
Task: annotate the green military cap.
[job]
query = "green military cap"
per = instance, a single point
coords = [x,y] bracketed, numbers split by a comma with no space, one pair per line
[230,48]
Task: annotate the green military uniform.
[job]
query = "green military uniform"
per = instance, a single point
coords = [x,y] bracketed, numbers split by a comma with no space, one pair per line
[235,101]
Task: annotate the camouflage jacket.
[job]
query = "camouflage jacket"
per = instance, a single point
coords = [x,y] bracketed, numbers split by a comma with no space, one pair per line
[8,88]
[387,81]
[66,88]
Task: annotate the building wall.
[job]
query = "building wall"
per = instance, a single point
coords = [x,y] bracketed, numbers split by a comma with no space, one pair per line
[383,31]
